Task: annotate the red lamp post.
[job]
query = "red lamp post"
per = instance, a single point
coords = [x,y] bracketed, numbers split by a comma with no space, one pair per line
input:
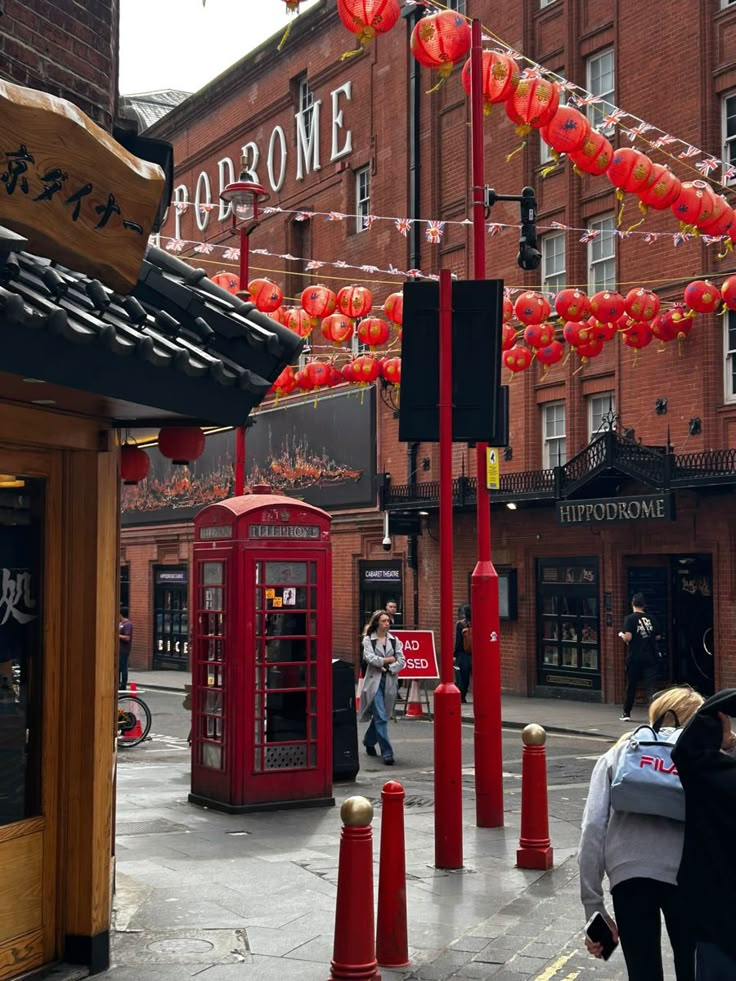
[244,196]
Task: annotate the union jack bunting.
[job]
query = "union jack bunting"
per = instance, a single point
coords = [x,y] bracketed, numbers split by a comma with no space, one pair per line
[289,257]
[559,226]
[182,207]
[260,252]
[314,264]
[494,228]
[690,151]
[614,118]
[271,210]
[232,254]
[664,140]
[340,264]
[707,165]
[590,234]
[393,270]
[403,225]
[204,248]
[587,99]
[175,245]
[205,207]
[369,269]
[651,237]
[680,238]
[434,231]
[368,221]
[336,216]
[639,130]
[303,215]
[712,239]
[624,233]
[414,273]
[728,175]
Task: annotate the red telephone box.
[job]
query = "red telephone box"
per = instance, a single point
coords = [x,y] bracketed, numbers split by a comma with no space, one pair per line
[262,684]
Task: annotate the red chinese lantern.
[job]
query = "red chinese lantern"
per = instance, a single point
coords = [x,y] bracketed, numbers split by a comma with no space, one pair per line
[300,322]
[696,203]
[590,349]
[663,190]
[281,315]
[266,295]
[681,321]
[391,370]
[607,306]
[318,301]
[630,170]
[539,335]
[134,464]
[638,336]
[728,292]
[576,333]
[303,380]
[508,337]
[393,307]
[702,296]
[508,309]
[594,156]
[663,327]
[227,281]
[517,359]
[285,382]
[319,373]
[500,76]
[366,18]
[722,218]
[602,332]
[347,372]
[566,131]
[572,304]
[531,308]
[533,104]
[337,328]
[373,331]
[550,354]
[642,304]
[365,369]
[441,41]
[335,376]
[292,6]
[181,444]
[354,301]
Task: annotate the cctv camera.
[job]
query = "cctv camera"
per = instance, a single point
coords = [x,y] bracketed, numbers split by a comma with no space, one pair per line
[387,543]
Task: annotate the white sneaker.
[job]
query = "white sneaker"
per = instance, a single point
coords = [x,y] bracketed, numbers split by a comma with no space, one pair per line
[624,718]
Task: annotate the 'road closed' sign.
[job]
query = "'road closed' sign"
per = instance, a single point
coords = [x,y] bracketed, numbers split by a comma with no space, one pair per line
[420,655]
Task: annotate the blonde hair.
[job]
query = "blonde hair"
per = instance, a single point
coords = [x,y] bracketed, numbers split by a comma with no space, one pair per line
[674,707]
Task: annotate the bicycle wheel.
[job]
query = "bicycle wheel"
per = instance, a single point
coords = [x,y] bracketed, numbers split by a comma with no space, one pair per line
[134,720]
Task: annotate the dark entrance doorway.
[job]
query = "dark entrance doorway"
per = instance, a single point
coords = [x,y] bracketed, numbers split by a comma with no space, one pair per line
[170,617]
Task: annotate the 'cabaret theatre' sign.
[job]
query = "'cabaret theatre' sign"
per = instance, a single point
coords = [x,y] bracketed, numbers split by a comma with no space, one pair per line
[650,507]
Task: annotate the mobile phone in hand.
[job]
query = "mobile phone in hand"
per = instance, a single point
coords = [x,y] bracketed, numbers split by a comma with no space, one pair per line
[598,930]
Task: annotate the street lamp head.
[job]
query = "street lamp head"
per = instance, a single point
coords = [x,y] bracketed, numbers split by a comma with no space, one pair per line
[245,196]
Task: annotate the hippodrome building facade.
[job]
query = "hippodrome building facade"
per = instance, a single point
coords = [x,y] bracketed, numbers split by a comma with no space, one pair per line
[619,473]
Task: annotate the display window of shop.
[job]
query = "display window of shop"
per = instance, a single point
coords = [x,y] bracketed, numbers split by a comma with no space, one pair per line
[568,625]
[125,587]
[170,617]
[381,583]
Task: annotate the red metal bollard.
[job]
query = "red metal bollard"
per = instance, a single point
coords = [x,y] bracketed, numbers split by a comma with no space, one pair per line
[354,952]
[535,849]
[392,945]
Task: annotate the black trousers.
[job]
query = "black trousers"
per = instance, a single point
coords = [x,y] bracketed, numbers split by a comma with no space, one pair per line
[464,663]
[123,670]
[639,670]
[637,904]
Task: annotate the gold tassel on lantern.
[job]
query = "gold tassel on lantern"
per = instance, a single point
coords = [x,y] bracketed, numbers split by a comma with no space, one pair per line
[621,198]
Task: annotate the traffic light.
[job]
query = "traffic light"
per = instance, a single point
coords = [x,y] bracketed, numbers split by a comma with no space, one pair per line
[529,255]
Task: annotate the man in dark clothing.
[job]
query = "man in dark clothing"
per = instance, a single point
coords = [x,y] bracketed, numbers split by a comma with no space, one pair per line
[125,640]
[463,652]
[640,633]
[708,867]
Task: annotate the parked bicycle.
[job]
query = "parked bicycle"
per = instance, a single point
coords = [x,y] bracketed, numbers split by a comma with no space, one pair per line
[134,719]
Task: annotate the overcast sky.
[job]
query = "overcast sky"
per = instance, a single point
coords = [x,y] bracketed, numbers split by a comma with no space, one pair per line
[181,44]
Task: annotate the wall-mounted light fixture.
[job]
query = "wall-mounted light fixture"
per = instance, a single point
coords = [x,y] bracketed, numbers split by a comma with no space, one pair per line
[426,464]
[695,426]
[660,407]
[511,505]
[508,453]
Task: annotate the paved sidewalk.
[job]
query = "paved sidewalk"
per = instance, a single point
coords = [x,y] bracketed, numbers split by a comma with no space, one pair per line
[556,715]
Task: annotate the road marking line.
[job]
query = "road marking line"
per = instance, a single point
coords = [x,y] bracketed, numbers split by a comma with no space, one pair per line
[549,973]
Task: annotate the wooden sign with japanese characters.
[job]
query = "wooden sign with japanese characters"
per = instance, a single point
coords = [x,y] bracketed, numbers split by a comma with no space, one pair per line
[69,188]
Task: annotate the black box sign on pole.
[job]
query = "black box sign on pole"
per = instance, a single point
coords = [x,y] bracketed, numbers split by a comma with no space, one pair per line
[476,362]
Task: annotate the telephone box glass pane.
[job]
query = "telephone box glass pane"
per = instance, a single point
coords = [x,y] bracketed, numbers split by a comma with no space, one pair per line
[211,639]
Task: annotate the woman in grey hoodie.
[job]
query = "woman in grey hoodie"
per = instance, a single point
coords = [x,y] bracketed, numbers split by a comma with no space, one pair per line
[640,854]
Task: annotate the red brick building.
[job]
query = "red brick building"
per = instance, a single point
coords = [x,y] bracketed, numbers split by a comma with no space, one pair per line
[363,137]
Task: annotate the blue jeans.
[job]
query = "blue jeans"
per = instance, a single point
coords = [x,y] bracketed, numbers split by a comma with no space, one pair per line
[378,729]
[713,964]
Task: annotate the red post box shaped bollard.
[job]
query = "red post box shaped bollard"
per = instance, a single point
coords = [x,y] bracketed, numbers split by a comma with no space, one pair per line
[392,945]
[535,850]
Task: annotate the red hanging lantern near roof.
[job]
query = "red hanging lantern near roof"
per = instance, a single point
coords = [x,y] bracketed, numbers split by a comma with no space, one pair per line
[663,191]
[393,307]
[337,328]
[354,301]
[500,75]
[281,315]
[227,281]
[302,380]
[391,370]
[319,373]
[722,218]
[630,170]
[318,301]
[285,383]
[539,335]
[373,331]
[440,41]
[508,337]
[365,369]
[603,331]
[566,131]
[347,372]
[508,309]
[550,354]
[728,292]
[531,308]
[682,322]
[702,296]
[134,464]
[300,322]
[266,295]
[695,203]
[642,304]
[533,104]
[594,156]
[663,328]
[607,306]
[638,336]
[577,333]
[590,349]
[517,359]
[366,18]
[572,304]
[181,444]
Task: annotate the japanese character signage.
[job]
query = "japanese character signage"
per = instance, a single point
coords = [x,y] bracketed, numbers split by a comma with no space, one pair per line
[69,188]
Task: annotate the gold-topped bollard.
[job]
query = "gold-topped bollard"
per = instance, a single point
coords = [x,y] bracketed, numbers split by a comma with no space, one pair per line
[535,849]
[354,948]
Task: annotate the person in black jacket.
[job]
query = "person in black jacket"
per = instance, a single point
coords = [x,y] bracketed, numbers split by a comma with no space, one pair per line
[708,868]
[640,633]
[463,652]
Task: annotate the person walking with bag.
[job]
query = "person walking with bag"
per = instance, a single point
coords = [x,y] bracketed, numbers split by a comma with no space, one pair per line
[463,652]
[384,656]
[640,633]
[640,854]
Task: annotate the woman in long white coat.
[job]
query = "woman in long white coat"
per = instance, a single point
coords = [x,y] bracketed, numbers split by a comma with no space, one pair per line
[384,655]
